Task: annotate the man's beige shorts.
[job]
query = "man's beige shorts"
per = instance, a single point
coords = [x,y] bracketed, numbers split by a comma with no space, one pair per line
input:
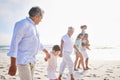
[26,71]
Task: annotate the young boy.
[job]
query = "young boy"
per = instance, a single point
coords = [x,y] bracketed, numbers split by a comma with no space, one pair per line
[52,63]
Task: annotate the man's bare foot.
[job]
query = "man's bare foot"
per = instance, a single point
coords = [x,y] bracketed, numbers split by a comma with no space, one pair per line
[87,68]
[78,67]
[59,78]
[84,69]
[72,78]
[75,69]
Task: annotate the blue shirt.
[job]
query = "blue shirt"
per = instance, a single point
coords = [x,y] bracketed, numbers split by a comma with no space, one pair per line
[78,44]
[25,42]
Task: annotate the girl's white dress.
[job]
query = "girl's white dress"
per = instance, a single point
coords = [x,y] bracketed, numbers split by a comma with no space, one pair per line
[83,50]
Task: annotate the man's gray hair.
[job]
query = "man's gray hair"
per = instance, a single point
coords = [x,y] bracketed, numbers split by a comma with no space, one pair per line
[70,28]
[36,11]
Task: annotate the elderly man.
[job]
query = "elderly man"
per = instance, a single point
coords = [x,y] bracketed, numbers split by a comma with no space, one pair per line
[66,49]
[25,45]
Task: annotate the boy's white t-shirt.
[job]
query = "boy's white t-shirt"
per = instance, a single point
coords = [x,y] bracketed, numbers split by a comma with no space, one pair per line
[52,65]
[52,62]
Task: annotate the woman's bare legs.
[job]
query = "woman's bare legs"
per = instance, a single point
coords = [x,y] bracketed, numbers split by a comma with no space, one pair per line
[81,61]
[86,63]
[76,60]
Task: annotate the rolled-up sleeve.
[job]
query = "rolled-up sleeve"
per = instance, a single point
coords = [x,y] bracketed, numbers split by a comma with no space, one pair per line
[16,38]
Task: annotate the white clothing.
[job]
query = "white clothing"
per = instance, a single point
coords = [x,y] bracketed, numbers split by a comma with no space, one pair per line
[83,32]
[83,50]
[67,61]
[52,75]
[84,41]
[84,53]
[52,65]
[67,50]
[68,44]
[52,62]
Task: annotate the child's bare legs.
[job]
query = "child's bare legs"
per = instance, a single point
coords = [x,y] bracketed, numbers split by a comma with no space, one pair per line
[86,62]
[76,60]
[79,64]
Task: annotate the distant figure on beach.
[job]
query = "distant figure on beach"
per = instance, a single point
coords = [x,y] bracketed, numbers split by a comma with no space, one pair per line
[52,63]
[66,49]
[78,43]
[25,45]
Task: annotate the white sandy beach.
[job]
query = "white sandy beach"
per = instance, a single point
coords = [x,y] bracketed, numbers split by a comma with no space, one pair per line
[100,69]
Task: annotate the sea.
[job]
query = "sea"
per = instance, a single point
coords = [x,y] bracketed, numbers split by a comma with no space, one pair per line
[106,52]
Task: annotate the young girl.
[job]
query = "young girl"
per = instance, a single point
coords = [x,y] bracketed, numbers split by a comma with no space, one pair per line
[52,63]
[78,43]
[85,45]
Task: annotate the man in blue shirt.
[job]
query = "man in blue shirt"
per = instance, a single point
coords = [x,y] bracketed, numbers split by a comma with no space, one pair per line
[25,45]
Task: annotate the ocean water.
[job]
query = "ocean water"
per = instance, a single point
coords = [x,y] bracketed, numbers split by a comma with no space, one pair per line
[106,52]
[4,49]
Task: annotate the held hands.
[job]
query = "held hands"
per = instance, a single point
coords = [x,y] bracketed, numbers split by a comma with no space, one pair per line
[47,57]
[12,70]
[60,54]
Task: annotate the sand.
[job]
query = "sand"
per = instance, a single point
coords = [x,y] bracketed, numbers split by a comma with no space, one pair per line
[99,70]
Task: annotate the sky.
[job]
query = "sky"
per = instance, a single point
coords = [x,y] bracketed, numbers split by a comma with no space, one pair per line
[102,18]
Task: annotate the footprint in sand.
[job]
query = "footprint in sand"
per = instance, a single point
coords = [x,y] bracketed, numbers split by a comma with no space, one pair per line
[37,78]
[2,77]
[36,73]
[46,76]
[106,79]
[64,78]
[118,67]
[1,67]
[109,71]
[88,76]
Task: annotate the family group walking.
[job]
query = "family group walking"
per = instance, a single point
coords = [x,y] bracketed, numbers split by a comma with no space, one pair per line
[25,44]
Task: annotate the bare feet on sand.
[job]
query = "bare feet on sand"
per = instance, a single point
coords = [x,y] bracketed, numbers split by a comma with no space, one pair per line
[72,78]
